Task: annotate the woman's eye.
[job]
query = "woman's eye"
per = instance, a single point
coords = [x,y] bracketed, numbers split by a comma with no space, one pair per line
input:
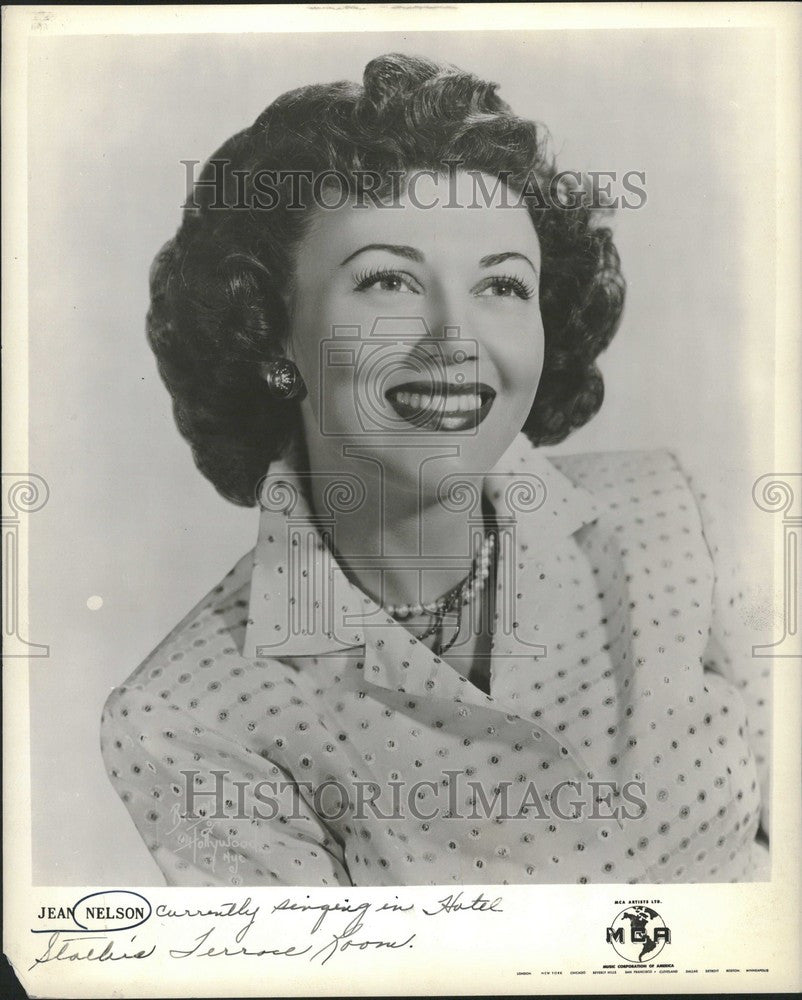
[504,287]
[386,281]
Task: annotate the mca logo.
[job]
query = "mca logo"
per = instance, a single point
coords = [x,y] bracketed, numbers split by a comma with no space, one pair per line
[638,934]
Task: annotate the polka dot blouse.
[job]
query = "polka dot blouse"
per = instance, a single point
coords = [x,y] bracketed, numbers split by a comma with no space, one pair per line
[288,732]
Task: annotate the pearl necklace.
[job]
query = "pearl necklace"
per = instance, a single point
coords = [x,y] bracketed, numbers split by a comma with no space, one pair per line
[456,597]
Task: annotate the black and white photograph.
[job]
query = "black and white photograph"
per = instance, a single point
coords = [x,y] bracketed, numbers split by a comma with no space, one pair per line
[402,497]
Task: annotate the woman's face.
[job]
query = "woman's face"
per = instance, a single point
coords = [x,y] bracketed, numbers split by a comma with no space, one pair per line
[417,331]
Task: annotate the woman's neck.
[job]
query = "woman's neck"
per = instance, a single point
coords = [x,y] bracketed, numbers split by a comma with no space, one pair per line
[401,546]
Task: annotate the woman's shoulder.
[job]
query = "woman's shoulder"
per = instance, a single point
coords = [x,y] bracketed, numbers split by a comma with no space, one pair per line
[212,630]
[622,480]
[655,489]
[650,485]
[618,470]
[657,475]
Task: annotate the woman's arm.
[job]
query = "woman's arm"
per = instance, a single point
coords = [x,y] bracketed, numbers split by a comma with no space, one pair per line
[195,797]
[729,648]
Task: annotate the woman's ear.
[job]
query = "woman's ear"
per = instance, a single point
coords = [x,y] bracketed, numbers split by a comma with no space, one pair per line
[266,368]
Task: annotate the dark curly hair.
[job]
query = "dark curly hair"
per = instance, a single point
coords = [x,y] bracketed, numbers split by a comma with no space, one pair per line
[219,289]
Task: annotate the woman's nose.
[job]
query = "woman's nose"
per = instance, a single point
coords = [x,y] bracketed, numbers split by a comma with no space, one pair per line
[449,327]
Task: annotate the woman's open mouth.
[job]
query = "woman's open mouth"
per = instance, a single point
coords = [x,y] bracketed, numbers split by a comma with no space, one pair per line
[442,406]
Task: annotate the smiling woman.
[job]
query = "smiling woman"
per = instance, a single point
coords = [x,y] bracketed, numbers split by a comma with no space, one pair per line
[473,290]
[460,661]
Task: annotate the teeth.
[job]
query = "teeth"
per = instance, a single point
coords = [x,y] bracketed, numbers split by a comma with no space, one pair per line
[462,403]
[451,422]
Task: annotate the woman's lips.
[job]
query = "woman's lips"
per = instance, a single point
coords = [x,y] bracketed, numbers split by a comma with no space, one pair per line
[442,406]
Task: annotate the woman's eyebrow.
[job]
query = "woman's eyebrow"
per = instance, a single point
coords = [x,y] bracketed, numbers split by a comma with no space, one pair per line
[499,258]
[400,251]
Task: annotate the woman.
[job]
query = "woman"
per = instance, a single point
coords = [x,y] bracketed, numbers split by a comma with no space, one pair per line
[449,659]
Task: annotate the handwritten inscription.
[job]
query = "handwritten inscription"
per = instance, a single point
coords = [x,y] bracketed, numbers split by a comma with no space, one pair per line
[62,947]
[455,904]
[243,928]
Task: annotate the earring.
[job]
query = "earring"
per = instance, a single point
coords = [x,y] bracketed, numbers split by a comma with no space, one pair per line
[284,381]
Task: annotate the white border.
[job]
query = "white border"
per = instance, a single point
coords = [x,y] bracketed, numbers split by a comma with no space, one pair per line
[752,923]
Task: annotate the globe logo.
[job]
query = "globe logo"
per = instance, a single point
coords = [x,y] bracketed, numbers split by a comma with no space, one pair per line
[638,934]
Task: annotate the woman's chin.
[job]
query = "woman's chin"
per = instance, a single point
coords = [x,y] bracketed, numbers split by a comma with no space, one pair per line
[424,464]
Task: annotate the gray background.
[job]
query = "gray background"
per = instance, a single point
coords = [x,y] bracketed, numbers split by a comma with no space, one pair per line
[129,518]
